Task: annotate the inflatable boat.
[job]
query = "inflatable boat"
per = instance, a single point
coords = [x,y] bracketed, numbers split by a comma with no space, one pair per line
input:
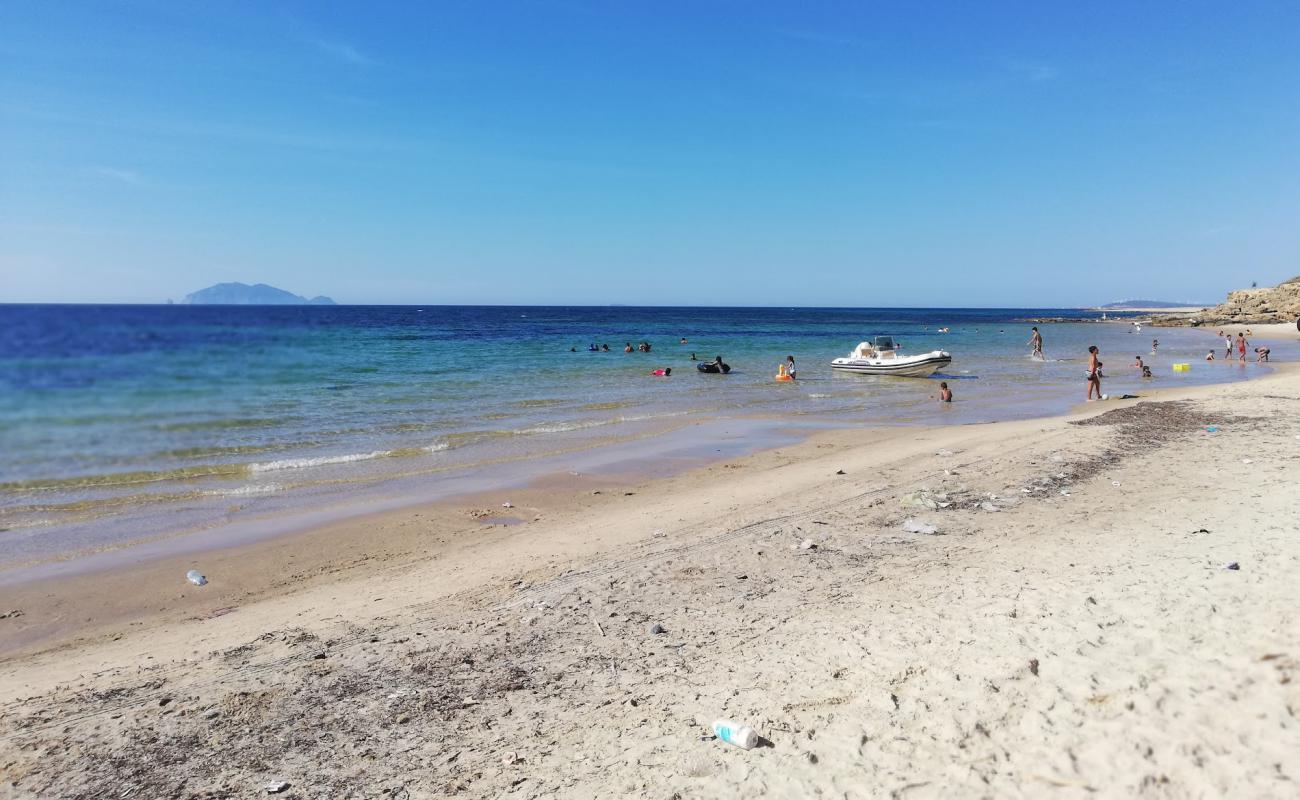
[715,366]
[881,357]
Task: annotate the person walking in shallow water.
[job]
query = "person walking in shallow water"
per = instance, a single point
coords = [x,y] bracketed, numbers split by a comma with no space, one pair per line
[1036,341]
[1241,347]
[1094,372]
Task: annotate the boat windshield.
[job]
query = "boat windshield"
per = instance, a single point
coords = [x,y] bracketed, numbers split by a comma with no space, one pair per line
[885,343]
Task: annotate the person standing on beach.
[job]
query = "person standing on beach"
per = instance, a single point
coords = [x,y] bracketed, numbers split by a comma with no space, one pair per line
[1036,341]
[1227,346]
[1241,347]
[1094,372]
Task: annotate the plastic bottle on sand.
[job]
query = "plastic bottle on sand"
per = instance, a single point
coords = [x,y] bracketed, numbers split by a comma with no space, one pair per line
[741,736]
[195,577]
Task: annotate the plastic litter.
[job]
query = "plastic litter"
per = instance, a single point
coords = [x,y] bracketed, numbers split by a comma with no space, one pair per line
[987,506]
[914,526]
[275,787]
[807,544]
[741,736]
[507,505]
[1215,429]
[1232,565]
[923,499]
[195,577]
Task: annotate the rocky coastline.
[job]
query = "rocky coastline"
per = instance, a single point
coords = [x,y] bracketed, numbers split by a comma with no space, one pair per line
[1255,306]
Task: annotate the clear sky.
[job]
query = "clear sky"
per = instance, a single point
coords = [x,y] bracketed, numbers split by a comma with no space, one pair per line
[853,153]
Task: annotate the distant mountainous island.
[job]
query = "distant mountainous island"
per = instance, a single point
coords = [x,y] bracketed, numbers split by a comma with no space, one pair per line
[1123,304]
[241,294]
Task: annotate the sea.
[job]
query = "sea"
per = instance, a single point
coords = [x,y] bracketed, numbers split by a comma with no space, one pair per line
[126,424]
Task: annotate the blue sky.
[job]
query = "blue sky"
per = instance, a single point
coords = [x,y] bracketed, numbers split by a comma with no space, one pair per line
[989,154]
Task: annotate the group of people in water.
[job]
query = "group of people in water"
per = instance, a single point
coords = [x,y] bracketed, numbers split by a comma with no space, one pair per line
[1241,345]
[787,370]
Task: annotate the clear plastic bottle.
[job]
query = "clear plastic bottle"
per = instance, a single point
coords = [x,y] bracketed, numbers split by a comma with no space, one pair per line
[741,736]
[195,577]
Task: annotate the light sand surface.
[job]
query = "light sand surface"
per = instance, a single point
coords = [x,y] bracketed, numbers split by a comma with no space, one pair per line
[1270,332]
[1069,631]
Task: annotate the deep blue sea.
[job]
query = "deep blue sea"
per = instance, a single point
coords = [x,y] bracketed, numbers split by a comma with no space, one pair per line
[145,421]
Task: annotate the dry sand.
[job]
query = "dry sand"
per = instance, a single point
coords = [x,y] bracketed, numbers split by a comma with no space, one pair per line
[1083,639]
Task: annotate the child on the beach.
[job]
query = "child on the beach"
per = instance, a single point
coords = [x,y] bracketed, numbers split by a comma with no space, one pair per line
[1261,354]
[945,394]
[1138,362]
[1209,356]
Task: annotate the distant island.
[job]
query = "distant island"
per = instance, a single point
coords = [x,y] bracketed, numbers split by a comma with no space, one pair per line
[241,294]
[1144,304]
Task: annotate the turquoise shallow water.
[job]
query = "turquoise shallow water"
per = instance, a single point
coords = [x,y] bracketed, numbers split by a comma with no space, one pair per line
[122,422]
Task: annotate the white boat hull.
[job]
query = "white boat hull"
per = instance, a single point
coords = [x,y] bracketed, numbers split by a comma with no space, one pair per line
[918,366]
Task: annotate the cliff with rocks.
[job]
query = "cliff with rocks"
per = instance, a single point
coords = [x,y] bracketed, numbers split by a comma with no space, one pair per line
[1280,303]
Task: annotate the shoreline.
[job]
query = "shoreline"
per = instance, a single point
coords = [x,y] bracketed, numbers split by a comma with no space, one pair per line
[121,584]
[291,551]
[1093,601]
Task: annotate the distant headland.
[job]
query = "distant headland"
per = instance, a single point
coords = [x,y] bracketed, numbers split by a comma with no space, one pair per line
[1253,306]
[1143,305]
[242,294]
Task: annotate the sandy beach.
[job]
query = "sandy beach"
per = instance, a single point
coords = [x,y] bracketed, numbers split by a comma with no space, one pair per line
[1070,629]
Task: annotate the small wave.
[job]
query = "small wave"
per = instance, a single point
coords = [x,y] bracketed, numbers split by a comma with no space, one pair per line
[818,395]
[346,458]
[318,461]
[245,491]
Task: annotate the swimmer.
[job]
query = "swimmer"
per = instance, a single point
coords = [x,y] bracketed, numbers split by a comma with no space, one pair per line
[1036,341]
[1138,363]
[604,348]
[1155,345]
[1146,372]
[683,341]
[789,366]
[627,348]
[662,373]
[693,358]
[945,394]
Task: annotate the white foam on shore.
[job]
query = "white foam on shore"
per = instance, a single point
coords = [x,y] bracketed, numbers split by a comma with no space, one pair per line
[245,491]
[319,461]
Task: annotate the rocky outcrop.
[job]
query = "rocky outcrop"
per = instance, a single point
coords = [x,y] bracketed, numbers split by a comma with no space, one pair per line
[1280,303]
